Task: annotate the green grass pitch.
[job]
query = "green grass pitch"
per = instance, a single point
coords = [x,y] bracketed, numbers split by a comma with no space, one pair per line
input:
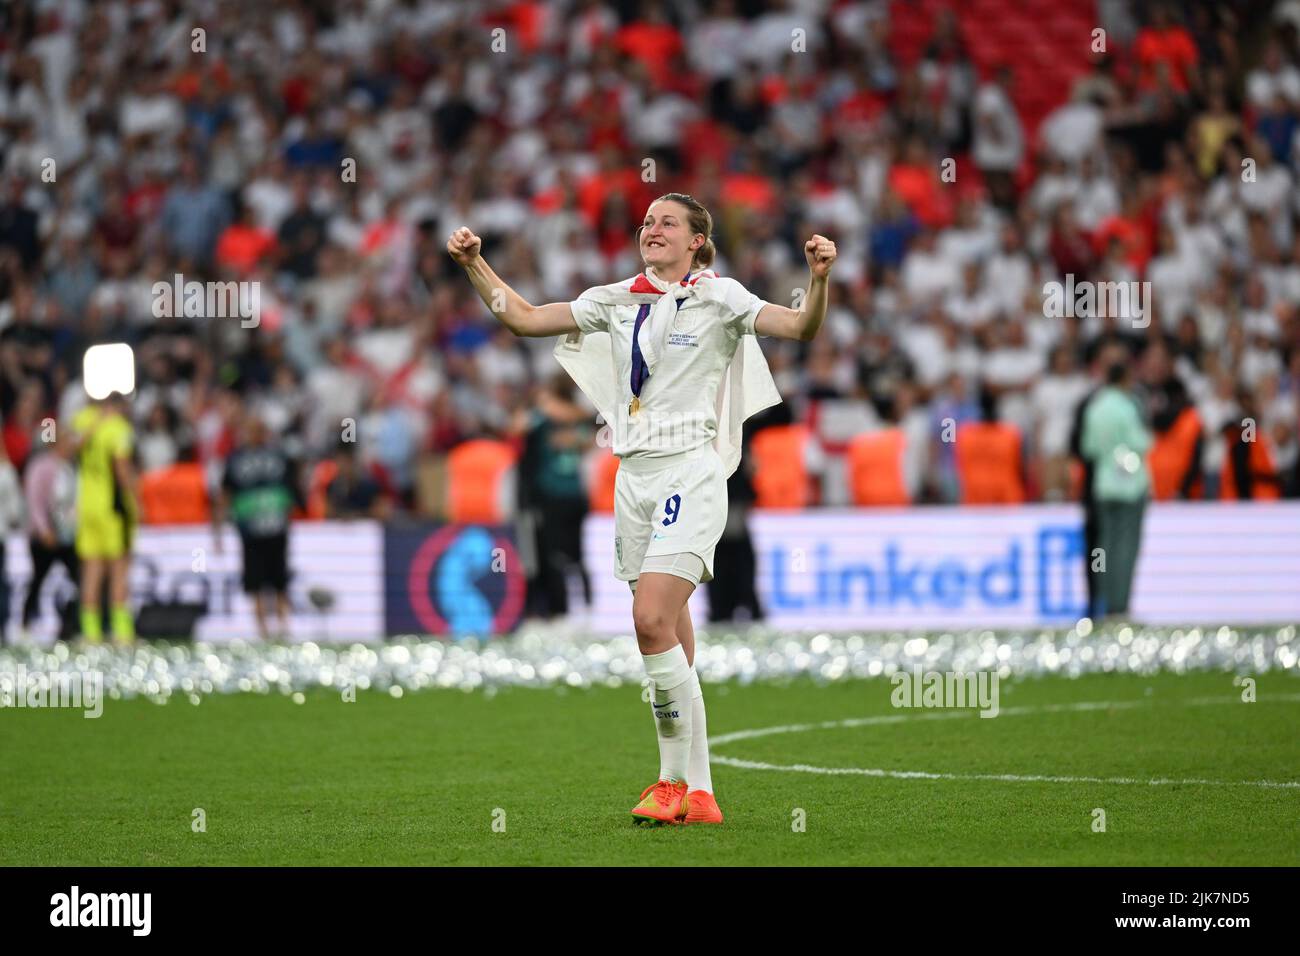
[421,779]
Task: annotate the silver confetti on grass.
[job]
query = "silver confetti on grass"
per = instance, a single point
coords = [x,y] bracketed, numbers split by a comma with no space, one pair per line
[554,655]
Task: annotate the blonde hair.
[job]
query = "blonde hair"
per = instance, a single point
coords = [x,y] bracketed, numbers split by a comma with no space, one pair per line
[699,219]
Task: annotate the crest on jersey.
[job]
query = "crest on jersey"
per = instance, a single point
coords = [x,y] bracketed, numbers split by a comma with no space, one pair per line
[685,317]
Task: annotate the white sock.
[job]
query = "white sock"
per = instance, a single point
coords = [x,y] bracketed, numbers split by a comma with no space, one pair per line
[697,770]
[670,700]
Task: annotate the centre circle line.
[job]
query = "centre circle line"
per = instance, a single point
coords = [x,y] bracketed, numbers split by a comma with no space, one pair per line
[951,714]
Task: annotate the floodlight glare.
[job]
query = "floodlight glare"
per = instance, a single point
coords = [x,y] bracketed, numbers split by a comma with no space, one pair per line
[108,369]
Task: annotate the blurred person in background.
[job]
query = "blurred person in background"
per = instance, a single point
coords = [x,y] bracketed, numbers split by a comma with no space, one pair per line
[1250,463]
[1176,455]
[19,224]
[952,406]
[23,423]
[259,490]
[391,443]
[50,488]
[11,516]
[194,214]
[243,244]
[552,499]
[1058,392]
[1107,353]
[353,492]
[1116,441]
[301,235]
[108,511]
[734,590]
[157,442]
[998,137]
[990,457]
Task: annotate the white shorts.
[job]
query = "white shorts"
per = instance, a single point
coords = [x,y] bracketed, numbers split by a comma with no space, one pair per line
[668,505]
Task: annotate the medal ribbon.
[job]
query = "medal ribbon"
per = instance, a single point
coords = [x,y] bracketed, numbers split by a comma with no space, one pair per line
[640,372]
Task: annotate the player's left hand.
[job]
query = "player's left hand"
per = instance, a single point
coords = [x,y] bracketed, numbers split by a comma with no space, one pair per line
[820,253]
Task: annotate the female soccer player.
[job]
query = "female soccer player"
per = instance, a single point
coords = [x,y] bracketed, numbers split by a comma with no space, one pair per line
[668,368]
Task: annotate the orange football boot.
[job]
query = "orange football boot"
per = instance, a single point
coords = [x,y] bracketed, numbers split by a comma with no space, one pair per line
[661,802]
[700,807]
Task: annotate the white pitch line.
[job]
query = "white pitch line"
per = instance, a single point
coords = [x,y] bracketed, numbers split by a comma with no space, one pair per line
[1002,777]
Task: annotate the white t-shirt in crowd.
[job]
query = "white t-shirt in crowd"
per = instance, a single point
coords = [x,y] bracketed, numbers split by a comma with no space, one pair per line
[929,276]
[1007,277]
[1000,146]
[1095,200]
[1055,398]
[1262,85]
[1174,279]
[968,309]
[1072,131]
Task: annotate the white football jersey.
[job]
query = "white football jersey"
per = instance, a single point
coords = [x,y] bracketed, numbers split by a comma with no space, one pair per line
[678,402]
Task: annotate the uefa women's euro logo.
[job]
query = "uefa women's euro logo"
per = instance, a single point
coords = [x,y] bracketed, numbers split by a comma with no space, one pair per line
[460,580]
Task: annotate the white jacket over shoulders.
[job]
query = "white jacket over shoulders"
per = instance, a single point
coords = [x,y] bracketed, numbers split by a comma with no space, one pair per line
[745,386]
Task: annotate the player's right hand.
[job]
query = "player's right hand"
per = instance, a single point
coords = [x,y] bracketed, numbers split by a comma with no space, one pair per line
[464,246]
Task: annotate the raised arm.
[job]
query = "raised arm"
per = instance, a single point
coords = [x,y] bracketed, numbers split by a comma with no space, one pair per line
[505,303]
[777,320]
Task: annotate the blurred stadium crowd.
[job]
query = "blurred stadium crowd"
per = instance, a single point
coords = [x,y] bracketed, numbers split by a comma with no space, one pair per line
[961,155]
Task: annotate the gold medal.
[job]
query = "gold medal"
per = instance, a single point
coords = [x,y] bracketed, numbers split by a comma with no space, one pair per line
[634,406]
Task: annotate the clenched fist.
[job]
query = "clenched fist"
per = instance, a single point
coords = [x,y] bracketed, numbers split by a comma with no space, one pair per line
[820,253]
[464,246]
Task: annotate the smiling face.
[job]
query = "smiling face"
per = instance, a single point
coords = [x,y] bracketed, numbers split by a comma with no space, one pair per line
[666,239]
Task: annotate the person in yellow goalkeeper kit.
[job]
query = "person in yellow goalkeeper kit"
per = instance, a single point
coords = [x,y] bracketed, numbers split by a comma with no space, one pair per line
[107,512]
